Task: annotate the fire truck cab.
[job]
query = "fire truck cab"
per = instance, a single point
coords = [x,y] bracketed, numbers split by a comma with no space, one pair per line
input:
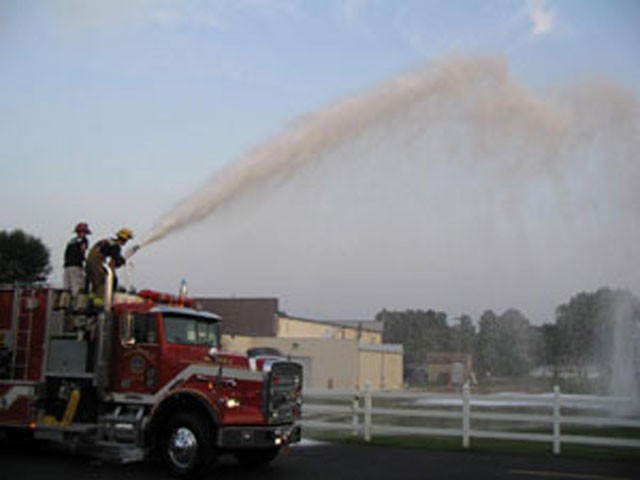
[141,376]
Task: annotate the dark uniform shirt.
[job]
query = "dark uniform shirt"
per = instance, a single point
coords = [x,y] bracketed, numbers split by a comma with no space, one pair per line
[74,252]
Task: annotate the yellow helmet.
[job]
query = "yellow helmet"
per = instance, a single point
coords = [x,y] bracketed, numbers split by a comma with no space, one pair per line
[124,234]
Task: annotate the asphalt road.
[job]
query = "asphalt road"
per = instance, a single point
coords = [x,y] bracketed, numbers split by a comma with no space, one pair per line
[324,462]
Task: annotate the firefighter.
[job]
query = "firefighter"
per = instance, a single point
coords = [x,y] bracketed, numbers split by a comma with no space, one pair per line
[74,259]
[111,249]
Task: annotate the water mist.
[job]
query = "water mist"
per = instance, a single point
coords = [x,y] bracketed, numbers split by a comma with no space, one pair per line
[453,186]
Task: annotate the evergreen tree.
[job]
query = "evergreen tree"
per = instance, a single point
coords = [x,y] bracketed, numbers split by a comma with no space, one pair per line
[23,258]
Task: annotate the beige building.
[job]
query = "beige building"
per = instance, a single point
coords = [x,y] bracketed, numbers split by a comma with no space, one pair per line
[334,355]
[303,328]
[333,364]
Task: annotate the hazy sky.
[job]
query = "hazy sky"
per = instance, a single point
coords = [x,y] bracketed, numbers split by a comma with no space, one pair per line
[112,112]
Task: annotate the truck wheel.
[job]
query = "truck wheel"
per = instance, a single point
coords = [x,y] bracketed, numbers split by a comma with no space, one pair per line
[187,445]
[21,437]
[256,458]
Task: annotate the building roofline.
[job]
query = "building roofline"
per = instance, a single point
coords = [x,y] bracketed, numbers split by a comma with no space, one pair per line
[354,324]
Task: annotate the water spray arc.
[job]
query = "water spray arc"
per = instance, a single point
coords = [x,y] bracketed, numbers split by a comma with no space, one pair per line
[534,191]
[311,136]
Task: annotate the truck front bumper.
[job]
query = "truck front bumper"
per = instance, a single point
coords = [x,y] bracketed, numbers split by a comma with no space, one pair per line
[248,436]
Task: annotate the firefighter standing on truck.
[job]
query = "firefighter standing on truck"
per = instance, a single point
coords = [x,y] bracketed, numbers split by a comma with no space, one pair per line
[108,248]
[74,255]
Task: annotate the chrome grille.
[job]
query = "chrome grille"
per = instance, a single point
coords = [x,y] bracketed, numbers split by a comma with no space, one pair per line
[283,393]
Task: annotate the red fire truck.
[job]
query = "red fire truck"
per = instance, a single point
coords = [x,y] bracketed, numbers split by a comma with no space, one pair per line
[140,375]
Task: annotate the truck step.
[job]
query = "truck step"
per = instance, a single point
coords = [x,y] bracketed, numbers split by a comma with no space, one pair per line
[62,433]
[123,425]
[118,452]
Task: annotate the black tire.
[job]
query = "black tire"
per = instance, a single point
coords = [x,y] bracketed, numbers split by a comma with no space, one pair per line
[20,437]
[187,446]
[257,457]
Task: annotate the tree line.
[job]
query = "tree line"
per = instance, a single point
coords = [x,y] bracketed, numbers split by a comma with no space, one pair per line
[588,333]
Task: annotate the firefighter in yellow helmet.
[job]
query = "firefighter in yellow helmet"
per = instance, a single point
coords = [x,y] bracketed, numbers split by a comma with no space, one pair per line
[108,249]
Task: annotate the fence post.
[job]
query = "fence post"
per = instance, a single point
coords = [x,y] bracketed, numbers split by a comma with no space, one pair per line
[355,405]
[466,415]
[556,420]
[367,412]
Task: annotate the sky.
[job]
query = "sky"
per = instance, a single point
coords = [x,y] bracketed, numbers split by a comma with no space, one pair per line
[512,185]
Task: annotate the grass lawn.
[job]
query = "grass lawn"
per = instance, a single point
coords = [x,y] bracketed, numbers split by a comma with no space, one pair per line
[486,446]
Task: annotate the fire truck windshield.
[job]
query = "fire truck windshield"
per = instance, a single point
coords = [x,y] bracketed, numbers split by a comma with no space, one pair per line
[190,331]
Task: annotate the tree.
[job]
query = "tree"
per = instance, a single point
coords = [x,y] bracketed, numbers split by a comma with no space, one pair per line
[593,327]
[488,340]
[419,332]
[463,335]
[576,323]
[515,344]
[23,258]
[545,347]
[504,344]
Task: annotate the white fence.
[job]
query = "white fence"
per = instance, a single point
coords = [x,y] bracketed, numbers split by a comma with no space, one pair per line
[523,417]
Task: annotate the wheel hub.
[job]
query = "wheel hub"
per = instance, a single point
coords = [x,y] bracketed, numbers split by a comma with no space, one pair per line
[183,447]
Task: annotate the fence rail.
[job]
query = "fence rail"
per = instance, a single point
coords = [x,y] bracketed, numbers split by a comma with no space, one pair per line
[553,418]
